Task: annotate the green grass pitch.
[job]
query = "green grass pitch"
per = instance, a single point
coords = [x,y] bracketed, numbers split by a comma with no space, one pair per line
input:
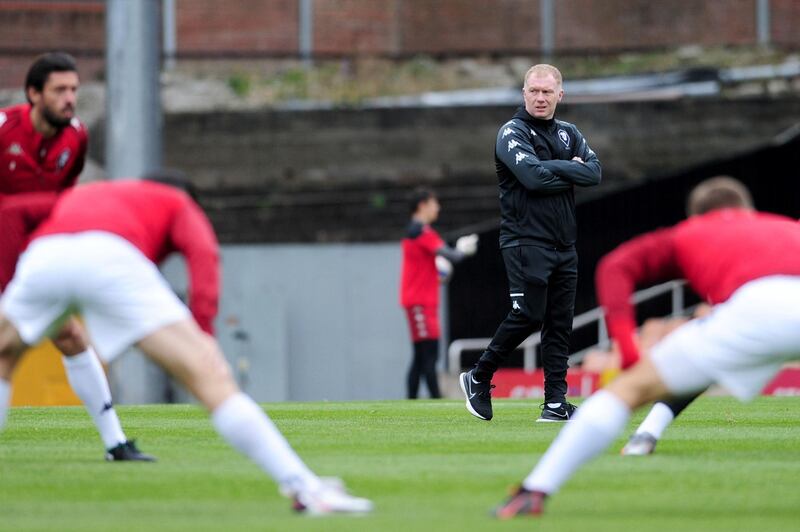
[428,465]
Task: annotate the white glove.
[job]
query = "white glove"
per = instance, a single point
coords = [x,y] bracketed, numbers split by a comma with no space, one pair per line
[444,267]
[467,244]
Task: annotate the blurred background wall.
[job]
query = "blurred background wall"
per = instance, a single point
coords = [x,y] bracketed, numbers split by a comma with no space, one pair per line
[305,123]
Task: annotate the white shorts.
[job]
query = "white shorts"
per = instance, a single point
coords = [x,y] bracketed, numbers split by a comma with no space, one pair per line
[118,291]
[741,345]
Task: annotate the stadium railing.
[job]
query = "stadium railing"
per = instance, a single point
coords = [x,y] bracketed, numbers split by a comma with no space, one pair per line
[594,316]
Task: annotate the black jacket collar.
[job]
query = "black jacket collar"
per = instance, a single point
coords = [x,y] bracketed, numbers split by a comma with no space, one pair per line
[523,115]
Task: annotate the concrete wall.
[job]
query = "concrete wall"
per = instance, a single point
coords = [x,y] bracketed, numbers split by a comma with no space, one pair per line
[338,175]
[292,148]
[299,323]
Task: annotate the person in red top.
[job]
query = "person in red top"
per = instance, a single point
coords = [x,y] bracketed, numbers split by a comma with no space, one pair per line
[42,142]
[42,152]
[424,255]
[95,255]
[746,264]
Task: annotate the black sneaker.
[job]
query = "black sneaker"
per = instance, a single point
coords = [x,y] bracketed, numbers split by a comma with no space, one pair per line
[521,503]
[556,412]
[478,395]
[128,452]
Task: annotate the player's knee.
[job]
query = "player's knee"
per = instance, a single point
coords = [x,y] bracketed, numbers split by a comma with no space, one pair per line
[639,385]
[522,309]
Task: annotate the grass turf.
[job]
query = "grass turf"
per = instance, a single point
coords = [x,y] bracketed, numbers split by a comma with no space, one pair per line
[428,465]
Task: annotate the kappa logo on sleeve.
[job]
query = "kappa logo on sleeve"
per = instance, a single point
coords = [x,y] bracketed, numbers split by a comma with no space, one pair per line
[513,143]
[506,132]
[520,156]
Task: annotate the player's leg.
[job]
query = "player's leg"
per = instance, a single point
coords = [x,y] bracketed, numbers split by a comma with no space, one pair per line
[194,358]
[419,326]
[524,318]
[596,424]
[556,329]
[414,371]
[644,439]
[429,353]
[11,348]
[527,291]
[88,380]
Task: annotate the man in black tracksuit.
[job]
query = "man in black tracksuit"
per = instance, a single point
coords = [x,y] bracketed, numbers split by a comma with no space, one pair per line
[539,160]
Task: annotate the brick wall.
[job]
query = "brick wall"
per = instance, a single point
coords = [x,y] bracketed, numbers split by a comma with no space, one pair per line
[785,21]
[30,28]
[358,26]
[241,26]
[636,24]
[396,27]
[449,26]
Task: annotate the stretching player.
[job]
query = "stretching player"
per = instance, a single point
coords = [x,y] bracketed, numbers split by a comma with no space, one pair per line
[96,254]
[745,263]
[42,152]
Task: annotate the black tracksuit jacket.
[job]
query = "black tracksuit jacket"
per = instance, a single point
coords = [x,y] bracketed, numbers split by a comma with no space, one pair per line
[534,165]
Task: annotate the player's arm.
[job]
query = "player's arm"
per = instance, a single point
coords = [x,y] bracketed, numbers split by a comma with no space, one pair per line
[466,246]
[644,260]
[194,237]
[516,152]
[432,243]
[584,170]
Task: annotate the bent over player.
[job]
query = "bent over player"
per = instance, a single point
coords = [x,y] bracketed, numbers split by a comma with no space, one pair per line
[96,255]
[42,152]
[745,263]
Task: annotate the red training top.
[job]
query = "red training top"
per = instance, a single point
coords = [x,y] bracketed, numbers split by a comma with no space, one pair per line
[716,253]
[31,163]
[19,216]
[156,218]
[419,280]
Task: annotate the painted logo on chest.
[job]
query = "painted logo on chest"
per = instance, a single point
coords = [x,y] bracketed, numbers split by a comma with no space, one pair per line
[63,158]
[564,136]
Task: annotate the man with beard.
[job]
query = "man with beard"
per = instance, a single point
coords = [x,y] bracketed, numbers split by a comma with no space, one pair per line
[42,152]
[42,143]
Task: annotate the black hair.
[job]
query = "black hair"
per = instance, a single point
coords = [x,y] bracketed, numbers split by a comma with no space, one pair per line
[174,178]
[417,196]
[46,64]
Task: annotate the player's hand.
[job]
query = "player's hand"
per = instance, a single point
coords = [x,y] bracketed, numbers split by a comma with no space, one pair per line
[577,159]
[444,268]
[467,244]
